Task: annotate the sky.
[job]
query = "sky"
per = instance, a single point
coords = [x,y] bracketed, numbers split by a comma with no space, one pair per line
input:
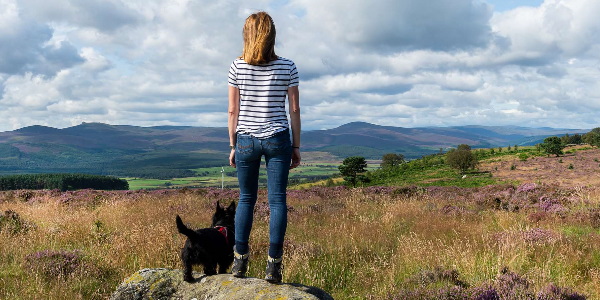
[404,63]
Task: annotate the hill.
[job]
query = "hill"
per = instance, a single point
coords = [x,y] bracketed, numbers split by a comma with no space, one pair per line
[171,151]
[372,141]
[578,166]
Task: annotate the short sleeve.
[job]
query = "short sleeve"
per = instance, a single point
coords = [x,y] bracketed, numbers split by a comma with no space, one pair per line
[294,78]
[232,80]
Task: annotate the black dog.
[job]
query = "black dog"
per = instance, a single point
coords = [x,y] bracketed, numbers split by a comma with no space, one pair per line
[209,246]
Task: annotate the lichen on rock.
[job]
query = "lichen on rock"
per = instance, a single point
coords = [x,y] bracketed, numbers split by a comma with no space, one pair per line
[169,284]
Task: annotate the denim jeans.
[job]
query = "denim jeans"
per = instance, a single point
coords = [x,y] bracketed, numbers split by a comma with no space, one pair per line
[278,155]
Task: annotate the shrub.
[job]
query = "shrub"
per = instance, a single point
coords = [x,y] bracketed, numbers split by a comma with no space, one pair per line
[50,263]
[553,292]
[507,285]
[12,223]
[511,285]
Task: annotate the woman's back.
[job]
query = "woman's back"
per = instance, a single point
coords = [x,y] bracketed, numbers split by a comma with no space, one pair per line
[263,90]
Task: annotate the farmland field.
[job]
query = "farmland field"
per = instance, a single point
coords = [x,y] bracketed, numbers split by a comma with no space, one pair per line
[311,169]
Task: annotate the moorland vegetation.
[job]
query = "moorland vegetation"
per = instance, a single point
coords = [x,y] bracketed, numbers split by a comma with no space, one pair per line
[522,225]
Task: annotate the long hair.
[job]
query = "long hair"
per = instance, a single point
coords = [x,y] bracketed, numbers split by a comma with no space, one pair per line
[259,39]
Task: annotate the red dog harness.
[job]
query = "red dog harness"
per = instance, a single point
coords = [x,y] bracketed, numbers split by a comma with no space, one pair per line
[223,230]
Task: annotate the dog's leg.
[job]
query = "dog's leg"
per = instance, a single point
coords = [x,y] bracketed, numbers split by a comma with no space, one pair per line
[187,267]
[223,268]
[187,273]
[224,264]
[210,268]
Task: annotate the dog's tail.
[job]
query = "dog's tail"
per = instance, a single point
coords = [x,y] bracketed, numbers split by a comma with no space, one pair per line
[183,229]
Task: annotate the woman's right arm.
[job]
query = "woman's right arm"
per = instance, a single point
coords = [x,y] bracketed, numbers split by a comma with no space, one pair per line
[232,120]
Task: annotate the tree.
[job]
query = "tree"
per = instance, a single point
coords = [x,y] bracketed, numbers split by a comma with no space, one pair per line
[552,145]
[352,169]
[592,137]
[463,147]
[576,139]
[462,158]
[391,160]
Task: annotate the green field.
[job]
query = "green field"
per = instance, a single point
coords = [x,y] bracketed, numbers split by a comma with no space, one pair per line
[212,177]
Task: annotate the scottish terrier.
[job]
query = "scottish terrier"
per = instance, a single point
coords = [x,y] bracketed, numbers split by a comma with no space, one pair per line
[209,247]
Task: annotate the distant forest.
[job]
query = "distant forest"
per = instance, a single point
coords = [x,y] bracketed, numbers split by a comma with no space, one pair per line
[63,182]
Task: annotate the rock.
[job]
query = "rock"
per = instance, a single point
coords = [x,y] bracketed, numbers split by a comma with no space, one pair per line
[169,284]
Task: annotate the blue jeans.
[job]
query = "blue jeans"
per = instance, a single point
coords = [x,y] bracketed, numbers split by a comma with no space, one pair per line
[278,155]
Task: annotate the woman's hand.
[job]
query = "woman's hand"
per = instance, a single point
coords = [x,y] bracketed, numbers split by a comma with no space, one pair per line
[295,158]
[232,158]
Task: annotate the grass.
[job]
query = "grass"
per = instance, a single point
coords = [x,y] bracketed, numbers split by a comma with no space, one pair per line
[364,243]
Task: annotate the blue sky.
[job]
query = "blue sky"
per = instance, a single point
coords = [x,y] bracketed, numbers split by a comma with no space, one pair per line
[504,5]
[407,63]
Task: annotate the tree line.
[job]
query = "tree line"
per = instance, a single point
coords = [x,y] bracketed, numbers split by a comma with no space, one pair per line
[61,181]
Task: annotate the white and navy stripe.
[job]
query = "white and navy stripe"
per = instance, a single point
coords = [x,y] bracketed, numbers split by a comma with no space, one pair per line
[263,89]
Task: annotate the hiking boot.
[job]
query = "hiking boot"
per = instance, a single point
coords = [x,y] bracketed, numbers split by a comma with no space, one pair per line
[240,265]
[273,271]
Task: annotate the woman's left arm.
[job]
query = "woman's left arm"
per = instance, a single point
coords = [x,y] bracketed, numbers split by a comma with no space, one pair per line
[232,120]
[294,99]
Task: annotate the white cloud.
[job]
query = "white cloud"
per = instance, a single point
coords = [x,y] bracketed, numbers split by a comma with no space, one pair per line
[391,62]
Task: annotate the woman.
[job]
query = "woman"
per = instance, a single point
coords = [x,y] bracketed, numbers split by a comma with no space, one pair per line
[259,81]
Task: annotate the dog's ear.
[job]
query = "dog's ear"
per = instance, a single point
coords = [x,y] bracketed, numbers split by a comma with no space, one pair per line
[218,207]
[231,207]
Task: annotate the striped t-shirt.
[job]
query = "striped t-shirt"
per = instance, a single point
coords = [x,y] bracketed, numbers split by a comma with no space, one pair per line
[263,89]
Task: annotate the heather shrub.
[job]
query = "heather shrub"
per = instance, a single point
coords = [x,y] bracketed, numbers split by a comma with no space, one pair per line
[54,263]
[409,191]
[484,292]
[511,285]
[444,293]
[551,205]
[507,285]
[437,275]
[534,236]
[553,292]
[526,187]
[592,217]
[12,223]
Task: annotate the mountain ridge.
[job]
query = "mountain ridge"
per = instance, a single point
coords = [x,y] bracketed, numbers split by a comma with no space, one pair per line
[128,150]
